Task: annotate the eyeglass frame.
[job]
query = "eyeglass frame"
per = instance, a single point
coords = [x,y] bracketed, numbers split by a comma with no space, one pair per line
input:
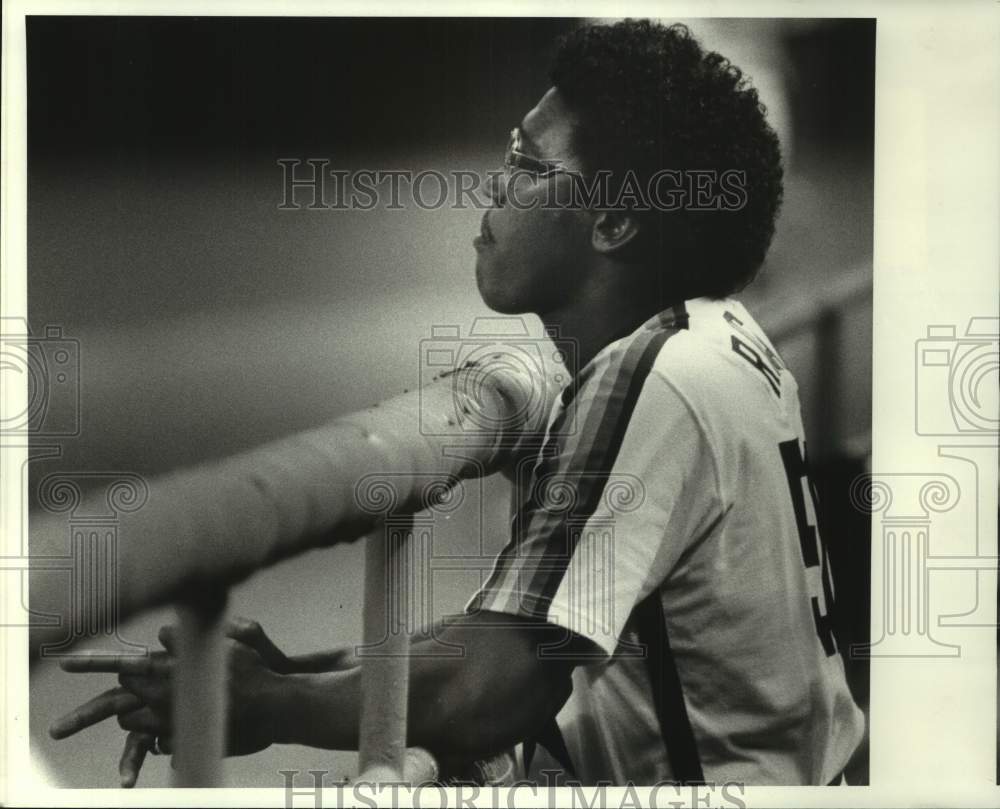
[516,160]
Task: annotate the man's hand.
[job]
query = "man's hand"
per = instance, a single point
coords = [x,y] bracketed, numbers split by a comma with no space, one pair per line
[247,632]
[252,634]
[143,700]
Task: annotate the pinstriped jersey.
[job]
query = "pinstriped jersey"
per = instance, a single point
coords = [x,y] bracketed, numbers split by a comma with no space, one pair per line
[669,519]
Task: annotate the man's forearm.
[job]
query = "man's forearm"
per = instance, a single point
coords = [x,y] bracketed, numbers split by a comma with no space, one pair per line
[318,709]
[323,709]
[339,657]
[472,705]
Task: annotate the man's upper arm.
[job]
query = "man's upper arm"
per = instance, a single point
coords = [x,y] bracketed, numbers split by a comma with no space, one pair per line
[500,686]
[609,509]
[514,645]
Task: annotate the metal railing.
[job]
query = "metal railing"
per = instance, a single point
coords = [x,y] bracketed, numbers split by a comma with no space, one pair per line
[203,530]
[206,529]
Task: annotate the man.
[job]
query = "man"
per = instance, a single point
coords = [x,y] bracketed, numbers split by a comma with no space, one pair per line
[664,594]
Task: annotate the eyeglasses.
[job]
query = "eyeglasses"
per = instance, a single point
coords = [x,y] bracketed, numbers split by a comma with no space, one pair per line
[516,160]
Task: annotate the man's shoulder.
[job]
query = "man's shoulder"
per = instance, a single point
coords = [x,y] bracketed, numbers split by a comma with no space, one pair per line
[686,345]
[705,360]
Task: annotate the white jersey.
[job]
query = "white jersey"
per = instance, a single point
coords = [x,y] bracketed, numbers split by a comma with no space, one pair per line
[670,520]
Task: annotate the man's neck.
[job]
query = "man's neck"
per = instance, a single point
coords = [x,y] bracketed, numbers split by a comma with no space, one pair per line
[597,320]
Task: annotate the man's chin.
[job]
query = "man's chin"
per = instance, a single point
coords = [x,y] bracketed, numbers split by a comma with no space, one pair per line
[502,307]
[497,297]
[500,301]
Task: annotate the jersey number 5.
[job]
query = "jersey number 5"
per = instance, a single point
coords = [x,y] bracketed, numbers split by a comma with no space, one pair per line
[813,552]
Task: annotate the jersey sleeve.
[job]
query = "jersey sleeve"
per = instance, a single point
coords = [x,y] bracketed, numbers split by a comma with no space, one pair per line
[607,507]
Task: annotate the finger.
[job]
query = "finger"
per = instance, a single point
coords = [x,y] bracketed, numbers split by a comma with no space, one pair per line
[243,629]
[252,634]
[168,637]
[151,690]
[144,720]
[273,656]
[136,746]
[120,664]
[111,702]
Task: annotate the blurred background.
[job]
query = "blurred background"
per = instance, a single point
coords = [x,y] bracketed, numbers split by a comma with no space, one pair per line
[208,320]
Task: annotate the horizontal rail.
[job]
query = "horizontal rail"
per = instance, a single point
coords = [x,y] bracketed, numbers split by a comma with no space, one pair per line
[215,525]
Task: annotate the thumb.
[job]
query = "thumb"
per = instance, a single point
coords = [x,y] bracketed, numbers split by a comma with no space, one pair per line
[168,638]
[251,633]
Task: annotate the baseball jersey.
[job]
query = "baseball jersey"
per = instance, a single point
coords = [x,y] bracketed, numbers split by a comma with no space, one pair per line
[669,518]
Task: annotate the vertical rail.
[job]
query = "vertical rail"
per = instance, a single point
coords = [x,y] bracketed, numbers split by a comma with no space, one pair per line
[200,695]
[385,663]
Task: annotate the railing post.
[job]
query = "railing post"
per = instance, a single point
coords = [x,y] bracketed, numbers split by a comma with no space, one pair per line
[200,692]
[385,662]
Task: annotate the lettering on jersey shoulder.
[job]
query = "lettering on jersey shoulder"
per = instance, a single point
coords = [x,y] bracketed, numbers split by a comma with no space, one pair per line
[755,351]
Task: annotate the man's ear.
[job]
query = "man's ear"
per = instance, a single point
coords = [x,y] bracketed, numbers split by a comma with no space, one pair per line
[612,230]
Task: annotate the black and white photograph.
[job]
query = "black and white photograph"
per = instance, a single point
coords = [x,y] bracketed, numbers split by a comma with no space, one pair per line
[466,409]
